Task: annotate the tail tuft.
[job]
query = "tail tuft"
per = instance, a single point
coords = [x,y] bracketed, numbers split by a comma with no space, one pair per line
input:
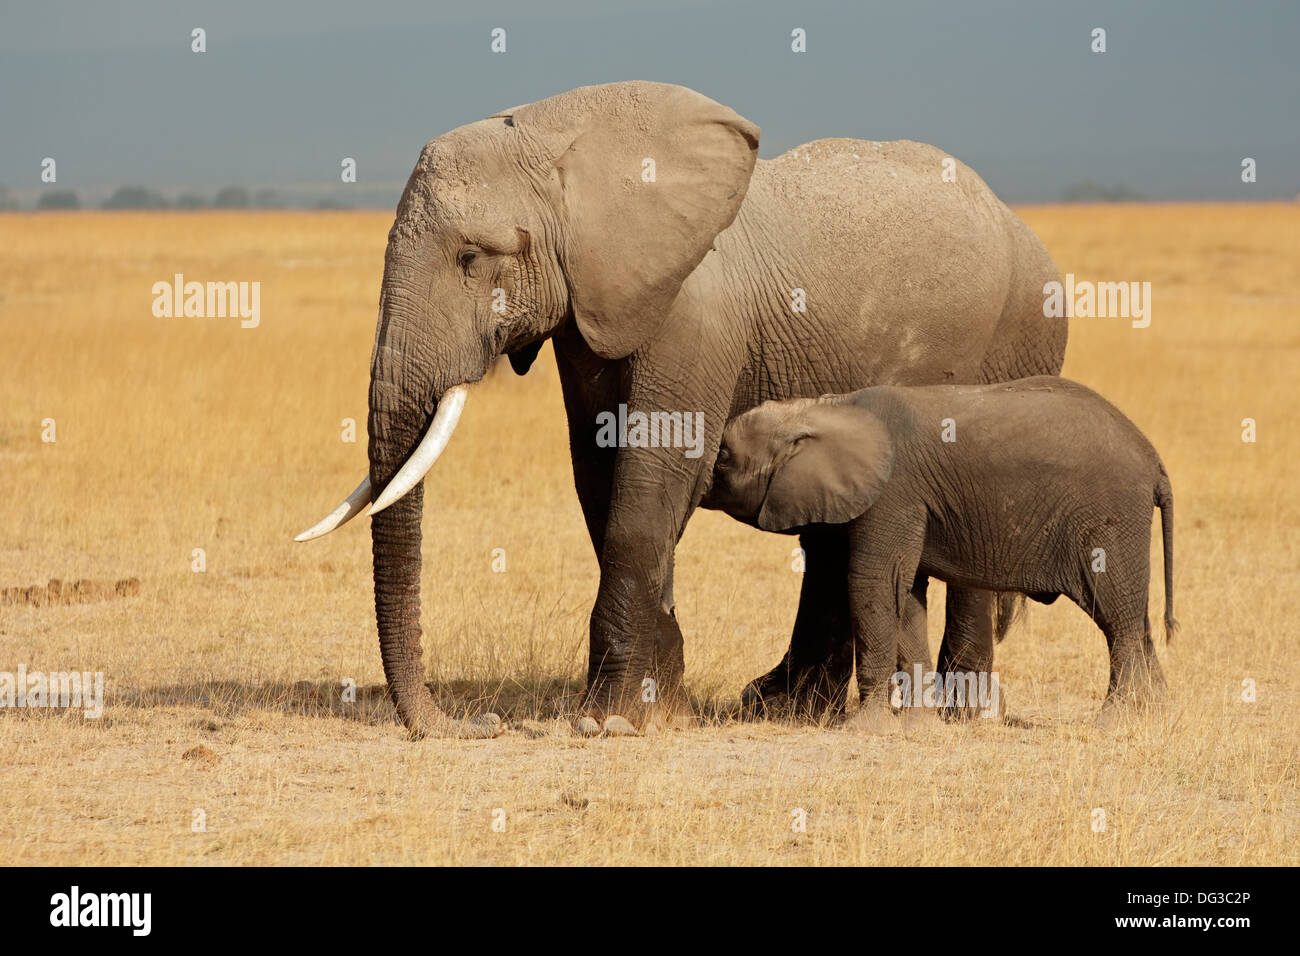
[1007,609]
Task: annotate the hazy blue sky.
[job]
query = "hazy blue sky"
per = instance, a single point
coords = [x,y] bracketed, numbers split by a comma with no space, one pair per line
[1184,91]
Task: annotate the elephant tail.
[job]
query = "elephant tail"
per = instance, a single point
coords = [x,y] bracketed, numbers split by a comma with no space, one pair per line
[1006,611]
[1165,502]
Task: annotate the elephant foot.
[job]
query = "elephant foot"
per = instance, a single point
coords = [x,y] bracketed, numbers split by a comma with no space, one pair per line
[973,712]
[665,720]
[919,718]
[757,703]
[1119,712]
[1116,716]
[612,726]
[622,710]
[818,696]
[871,720]
[1136,693]
[984,698]
[441,726]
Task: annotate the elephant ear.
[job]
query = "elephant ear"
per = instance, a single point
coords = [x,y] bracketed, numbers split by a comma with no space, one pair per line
[829,467]
[648,177]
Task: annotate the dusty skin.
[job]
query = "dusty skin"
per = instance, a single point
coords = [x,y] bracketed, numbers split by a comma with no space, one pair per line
[176,434]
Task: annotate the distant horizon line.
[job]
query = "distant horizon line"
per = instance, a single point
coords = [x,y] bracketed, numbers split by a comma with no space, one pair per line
[1033,203]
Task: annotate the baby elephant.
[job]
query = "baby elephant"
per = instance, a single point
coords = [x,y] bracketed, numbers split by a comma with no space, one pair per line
[1039,486]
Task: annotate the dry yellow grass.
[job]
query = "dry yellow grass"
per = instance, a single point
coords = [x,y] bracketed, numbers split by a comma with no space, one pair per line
[176,434]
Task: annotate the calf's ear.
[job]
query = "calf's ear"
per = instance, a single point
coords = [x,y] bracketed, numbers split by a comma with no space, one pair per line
[829,468]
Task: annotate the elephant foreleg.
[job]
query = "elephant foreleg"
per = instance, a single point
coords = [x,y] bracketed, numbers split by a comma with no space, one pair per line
[590,386]
[636,666]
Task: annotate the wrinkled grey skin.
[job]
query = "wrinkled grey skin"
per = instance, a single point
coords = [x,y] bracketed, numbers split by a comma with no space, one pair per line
[676,295]
[1038,475]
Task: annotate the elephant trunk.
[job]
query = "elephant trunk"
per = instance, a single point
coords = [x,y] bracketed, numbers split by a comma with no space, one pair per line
[416,397]
[404,393]
[395,539]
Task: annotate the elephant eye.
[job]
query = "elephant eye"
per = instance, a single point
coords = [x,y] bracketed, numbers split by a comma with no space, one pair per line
[466,258]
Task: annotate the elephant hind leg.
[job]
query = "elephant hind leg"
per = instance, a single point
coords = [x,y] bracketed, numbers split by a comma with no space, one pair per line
[914,655]
[813,677]
[1117,603]
[967,647]
[1136,679]
[913,644]
[1135,673]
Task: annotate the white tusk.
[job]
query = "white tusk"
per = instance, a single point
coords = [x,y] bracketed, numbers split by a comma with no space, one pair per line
[342,514]
[434,441]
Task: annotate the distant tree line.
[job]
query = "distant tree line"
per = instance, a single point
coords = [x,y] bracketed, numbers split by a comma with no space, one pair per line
[238,197]
[141,197]
[1089,191]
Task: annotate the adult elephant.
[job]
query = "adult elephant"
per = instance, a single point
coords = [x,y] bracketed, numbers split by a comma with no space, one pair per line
[631,224]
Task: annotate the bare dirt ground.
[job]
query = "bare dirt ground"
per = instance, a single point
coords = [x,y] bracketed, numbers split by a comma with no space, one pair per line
[226,739]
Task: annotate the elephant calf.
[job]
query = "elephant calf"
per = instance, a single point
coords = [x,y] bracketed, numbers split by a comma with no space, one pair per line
[1039,486]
